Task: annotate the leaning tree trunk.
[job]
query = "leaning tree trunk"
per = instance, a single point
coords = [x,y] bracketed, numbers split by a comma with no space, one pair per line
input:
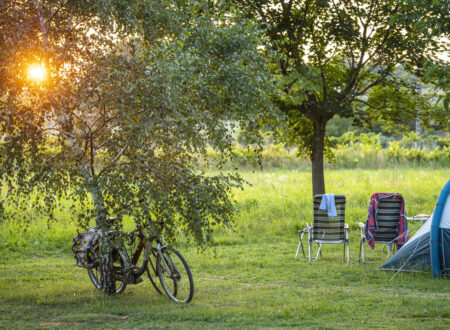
[107,241]
[107,282]
[318,143]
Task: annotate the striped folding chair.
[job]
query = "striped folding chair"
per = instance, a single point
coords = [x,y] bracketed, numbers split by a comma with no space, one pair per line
[325,229]
[388,213]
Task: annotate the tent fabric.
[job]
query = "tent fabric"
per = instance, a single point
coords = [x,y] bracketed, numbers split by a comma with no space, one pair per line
[415,255]
[422,230]
[445,250]
[445,219]
[435,243]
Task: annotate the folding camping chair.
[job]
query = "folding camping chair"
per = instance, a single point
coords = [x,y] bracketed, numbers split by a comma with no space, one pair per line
[325,229]
[387,214]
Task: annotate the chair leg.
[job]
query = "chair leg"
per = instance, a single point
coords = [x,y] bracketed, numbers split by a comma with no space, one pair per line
[318,252]
[301,240]
[348,252]
[343,255]
[389,250]
[363,252]
[298,248]
[309,250]
[360,249]
[300,245]
[361,245]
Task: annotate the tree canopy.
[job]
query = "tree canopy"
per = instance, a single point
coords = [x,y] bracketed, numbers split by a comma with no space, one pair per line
[129,96]
[339,58]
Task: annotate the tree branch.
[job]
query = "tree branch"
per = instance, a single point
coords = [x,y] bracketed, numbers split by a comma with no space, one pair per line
[91,155]
[42,23]
[58,130]
[57,10]
[404,109]
[383,42]
[115,159]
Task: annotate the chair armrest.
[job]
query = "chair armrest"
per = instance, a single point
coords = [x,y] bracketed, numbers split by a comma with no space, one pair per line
[346,226]
[421,216]
[361,225]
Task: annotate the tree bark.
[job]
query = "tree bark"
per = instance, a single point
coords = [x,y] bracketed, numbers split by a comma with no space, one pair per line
[318,143]
[107,282]
[107,243]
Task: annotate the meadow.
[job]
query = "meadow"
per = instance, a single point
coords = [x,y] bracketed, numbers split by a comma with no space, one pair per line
[250,279]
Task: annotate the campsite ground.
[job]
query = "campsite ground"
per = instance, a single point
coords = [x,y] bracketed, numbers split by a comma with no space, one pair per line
[251,280]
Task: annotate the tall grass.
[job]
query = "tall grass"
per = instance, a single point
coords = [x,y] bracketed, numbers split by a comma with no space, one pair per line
[281,201]
[273,204]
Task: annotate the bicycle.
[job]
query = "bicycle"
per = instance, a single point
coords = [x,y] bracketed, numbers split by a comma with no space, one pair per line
[166,263]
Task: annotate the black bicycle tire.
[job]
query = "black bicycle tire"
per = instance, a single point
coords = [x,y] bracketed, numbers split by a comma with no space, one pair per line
[161,276]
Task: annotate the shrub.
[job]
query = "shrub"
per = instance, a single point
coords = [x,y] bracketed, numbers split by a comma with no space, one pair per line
[352,151]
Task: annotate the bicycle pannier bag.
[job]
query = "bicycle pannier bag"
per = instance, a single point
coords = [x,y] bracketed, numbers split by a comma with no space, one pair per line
[85,247]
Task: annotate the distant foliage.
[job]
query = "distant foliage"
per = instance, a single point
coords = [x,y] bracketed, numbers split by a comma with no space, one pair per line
[373,151]
[366,150]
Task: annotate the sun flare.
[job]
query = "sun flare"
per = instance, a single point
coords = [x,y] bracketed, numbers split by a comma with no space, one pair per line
[36,72]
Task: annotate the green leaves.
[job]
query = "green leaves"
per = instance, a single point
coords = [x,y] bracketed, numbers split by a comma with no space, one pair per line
[299,82]
[138,91]
[331,56]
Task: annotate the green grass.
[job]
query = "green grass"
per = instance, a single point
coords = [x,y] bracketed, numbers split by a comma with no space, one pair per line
[251,280]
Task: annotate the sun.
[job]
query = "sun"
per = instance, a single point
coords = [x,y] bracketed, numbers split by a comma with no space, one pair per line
[37,72]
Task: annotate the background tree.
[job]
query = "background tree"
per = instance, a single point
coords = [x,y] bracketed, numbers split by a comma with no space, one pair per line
[125,100]
[338,58]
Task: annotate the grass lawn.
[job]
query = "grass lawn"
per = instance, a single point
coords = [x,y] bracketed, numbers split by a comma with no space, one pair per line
[252,279]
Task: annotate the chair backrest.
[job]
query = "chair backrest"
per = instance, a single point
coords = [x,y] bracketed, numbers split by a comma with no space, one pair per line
[388,215]
[327,228]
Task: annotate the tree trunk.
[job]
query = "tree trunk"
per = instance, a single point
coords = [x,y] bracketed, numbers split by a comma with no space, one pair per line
[107,282]
[318,178]
[419,131]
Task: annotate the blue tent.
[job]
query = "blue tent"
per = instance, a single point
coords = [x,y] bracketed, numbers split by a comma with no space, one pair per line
[429,249]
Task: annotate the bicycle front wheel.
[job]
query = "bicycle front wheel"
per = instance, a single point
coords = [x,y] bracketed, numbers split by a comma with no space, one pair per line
[175,275]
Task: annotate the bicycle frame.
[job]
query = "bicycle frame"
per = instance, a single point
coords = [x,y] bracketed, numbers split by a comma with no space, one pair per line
[147,253]
[167,264]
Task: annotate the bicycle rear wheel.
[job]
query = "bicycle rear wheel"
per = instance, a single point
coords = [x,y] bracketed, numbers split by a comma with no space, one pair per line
[175,275]
[119,262]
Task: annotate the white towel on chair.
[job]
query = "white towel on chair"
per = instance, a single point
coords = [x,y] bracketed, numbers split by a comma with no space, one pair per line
[328,204]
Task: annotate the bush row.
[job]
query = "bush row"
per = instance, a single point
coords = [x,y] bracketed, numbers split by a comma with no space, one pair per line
[352,151]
